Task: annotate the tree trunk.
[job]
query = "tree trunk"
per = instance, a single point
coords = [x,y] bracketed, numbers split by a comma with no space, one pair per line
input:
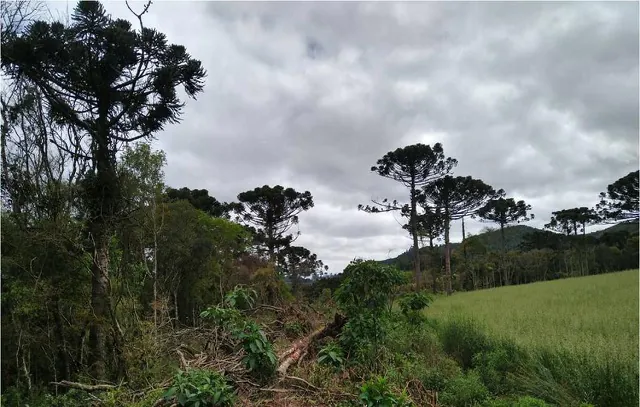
[414,234]
[447,256]
[102,200]
[270,245]
[463,273]
[504,253]
[300,348]
[463,236]
[155,266]
[63,350]
[100,303]
[434,270]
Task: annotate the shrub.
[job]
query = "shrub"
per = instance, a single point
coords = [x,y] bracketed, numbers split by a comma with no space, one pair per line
[270,287]
[241,298]
[405,337]
[331,355]
[200,388]
[226,318]
[260,357]
[434,379]
[462,339]
[412,305]
[294,329]
[12,396]
[465,390]
[496,366]
[376,393]
[365,296]
[367,286]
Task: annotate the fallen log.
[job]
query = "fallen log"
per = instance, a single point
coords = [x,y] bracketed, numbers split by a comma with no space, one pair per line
[85,387]
[299,348]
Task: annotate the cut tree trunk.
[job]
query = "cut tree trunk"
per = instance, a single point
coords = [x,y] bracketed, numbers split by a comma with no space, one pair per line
[299,348]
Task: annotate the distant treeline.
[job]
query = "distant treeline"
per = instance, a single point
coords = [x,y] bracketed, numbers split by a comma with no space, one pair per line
[533,255]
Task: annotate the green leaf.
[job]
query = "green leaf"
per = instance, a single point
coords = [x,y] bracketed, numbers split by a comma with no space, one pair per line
[169,393]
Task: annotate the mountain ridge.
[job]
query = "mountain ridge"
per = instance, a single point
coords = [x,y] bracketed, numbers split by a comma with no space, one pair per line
[513,237]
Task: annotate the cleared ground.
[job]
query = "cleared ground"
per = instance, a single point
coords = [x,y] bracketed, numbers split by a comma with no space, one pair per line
[595,314]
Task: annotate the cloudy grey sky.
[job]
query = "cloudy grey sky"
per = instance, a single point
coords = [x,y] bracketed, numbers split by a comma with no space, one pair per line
[540,99]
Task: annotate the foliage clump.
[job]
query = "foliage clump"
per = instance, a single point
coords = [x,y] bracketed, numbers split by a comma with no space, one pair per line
[465,390]
[200,388]
[366,296]
[331,355]
[412,305]
[260,358]
[377,393]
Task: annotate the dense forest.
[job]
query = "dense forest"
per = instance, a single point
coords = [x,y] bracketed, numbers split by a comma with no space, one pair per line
[102,262]
[531,255]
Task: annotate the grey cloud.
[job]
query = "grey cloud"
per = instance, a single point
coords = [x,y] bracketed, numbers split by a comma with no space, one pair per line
[538,98]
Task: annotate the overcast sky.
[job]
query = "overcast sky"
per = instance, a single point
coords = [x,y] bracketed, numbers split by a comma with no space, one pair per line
[540,99]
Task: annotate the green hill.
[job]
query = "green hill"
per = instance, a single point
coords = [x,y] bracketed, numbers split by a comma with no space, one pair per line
[514,236]
[630,226]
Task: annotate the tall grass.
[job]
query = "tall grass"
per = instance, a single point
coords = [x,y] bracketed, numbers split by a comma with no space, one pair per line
[597,315]
[566,342]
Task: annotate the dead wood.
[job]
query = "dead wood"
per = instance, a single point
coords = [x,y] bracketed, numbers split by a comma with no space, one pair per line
[85,387]
[299,348]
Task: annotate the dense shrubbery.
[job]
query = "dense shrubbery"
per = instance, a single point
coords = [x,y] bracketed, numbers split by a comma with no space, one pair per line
[259,358]
[366,296]
[200,388]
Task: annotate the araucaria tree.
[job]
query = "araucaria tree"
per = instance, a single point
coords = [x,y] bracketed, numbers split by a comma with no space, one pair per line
[620,202]
[298,263]
[568,220]
[272,211]
[430,226]
[413,166]
[505,211]
[457,197]
[200,199]
[101,78]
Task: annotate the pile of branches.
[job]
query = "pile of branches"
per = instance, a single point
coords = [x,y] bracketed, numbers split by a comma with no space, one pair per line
[216,350]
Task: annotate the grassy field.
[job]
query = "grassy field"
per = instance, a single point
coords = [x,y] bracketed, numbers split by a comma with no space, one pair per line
[595,314]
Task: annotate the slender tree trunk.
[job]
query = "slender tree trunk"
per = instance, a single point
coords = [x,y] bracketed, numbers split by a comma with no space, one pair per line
[504,256]
[100,303]
[463,274]
[414,234]
[447,256]
[63,350]
[270,245]
[155,267]
[434,270]
[463,235]
[102,200]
